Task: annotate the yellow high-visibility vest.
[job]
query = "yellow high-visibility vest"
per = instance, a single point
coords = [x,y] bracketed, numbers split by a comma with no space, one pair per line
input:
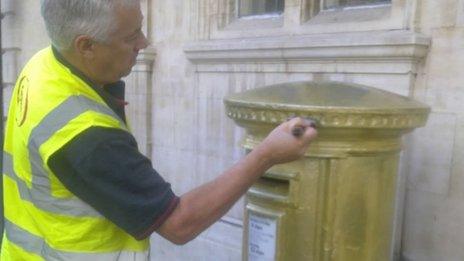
[43,219]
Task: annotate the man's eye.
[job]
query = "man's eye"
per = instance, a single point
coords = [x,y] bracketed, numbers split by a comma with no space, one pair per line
[134,36]
[131,39]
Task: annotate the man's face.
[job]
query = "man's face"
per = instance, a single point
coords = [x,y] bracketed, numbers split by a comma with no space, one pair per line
[115,59]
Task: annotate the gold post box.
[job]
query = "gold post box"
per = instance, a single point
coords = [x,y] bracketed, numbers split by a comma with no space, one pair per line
[337,202]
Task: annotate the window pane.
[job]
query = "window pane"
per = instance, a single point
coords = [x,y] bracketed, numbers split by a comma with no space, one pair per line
[329,4]
[260,7]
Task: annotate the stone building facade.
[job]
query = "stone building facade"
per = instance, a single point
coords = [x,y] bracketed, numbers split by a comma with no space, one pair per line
[202,50]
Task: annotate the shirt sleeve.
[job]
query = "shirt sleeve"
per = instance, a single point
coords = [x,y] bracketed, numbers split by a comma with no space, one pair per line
[103,167]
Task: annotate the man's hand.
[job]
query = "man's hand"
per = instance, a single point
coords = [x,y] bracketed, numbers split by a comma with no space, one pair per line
[288,141]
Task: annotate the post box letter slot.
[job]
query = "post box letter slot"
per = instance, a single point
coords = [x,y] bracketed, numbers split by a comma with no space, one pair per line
[271,190]
[275,186]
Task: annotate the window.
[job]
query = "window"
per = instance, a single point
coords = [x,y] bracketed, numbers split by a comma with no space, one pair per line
[261,18]
[332,4]
[259,7]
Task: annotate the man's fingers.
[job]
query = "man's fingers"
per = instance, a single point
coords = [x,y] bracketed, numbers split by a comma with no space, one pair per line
[299,125]
[297,131]
[310,133]
[310,123]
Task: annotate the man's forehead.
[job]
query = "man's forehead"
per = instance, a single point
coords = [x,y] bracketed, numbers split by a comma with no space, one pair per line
[128,19]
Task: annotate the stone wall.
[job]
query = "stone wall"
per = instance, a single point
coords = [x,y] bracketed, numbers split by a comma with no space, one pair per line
[434,215]
[413,47]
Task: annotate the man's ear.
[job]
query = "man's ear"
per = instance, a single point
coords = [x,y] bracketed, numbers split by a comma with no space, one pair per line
[85,46]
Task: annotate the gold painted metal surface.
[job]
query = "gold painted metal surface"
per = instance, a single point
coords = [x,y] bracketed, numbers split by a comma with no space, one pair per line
[336,203]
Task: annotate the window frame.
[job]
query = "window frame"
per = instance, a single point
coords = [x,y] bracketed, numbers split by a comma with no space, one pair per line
[303,17]
[382,2]
[251,16]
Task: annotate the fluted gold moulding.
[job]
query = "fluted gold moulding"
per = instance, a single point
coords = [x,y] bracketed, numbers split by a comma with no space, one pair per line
[337,203]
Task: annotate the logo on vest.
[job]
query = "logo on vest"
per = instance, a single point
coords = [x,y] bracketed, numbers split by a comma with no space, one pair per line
[22,101]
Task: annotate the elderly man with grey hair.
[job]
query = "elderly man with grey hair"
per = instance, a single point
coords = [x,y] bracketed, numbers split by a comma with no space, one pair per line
[75,185]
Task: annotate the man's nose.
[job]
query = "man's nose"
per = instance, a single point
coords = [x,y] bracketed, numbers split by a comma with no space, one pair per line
[143,43]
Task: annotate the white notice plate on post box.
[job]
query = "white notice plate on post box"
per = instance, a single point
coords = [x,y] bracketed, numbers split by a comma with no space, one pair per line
[261,238]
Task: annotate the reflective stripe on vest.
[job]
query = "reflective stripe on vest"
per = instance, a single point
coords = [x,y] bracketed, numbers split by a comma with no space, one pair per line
[38,246]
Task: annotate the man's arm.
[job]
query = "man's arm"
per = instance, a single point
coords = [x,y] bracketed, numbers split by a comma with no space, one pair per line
[204,205]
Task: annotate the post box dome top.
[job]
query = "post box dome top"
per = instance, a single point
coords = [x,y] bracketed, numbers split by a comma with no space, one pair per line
[332,104]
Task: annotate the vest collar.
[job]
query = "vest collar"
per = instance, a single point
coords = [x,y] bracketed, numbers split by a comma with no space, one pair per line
[113,94]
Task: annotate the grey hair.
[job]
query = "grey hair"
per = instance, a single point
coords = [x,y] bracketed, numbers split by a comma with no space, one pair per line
[67,19]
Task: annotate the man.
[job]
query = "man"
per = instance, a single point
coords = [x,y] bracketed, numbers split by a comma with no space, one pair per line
[75,185]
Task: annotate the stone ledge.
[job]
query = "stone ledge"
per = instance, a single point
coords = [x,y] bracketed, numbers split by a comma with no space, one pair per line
[366,48]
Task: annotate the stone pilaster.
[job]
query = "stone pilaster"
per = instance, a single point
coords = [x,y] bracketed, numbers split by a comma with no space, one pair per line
[139,96]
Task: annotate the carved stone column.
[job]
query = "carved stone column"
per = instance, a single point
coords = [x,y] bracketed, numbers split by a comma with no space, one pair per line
[10,51]
[139,97]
